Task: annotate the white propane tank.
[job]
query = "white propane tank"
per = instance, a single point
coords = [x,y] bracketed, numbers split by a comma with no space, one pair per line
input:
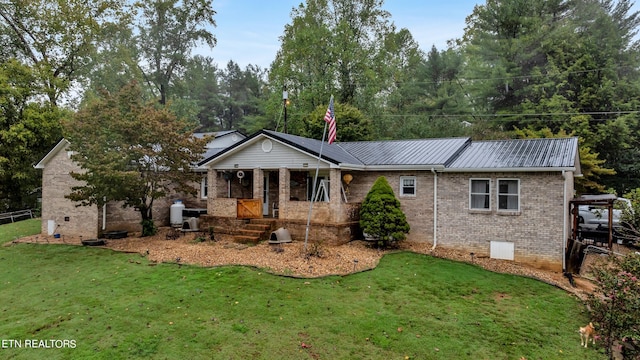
[176,213]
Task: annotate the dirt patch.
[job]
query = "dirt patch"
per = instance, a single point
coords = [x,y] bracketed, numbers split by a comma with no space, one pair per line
[290,259]
[498,297]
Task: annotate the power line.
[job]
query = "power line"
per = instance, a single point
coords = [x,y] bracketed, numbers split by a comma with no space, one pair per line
[515,114]
[528,114]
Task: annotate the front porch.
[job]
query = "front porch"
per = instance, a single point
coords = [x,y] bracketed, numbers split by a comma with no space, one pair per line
[239,199]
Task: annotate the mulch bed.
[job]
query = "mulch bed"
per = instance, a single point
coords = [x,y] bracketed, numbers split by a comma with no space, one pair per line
[291,259]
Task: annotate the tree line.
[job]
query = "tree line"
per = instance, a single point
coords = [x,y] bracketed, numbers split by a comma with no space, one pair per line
[523,68]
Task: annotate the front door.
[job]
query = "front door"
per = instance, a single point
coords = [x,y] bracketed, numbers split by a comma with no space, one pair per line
[265,195]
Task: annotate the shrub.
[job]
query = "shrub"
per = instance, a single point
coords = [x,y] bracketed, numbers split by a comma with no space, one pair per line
[149,228]
[615,306]
[381,216]
[630,229]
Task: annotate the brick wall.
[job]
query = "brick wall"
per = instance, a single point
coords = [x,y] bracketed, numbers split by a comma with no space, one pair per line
[87,221]
[418,209]
[68,219]
[535,231]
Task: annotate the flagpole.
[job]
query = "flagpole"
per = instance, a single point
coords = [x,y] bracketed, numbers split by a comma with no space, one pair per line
[313,192]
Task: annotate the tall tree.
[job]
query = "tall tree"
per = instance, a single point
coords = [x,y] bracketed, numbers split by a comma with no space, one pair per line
[338,47]
[559,64]
[168,32]
[131,151]
[28,129]
[352,124]
[200,84]
[430,101]
[241,94]
[55,38]
[116,62]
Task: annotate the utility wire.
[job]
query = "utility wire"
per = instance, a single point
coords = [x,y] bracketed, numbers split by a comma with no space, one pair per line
[519,114]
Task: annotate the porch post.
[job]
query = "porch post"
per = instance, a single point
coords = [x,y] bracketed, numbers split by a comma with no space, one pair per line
[212,191]
[335,189]
[258,185]
[284,191]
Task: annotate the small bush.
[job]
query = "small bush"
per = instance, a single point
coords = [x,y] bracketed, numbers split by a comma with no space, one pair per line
[615,306]
[149,228]
[630,226]
[381,216]
[316,249]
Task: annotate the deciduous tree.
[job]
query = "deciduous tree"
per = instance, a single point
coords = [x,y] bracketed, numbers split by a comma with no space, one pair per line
[168,32]
[28,130]
[342,47]
[352,125]
[57,39]
[131,151]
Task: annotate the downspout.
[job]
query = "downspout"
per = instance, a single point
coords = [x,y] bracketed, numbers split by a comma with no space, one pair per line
[435,209]
[565,209]
[104,214]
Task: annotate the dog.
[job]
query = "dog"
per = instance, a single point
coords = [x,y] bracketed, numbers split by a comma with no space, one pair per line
[587,332]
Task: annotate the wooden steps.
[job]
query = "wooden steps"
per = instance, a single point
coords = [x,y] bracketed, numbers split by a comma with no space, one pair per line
[254,231]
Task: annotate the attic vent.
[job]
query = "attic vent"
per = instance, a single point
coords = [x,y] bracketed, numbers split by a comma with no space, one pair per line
[267,145]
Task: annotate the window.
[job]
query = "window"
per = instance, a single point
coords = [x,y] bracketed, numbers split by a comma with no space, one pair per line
[480,194]
[509,194]
[204,187]
[407,186]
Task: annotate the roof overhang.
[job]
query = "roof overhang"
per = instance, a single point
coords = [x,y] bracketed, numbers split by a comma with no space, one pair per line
[230,151]
[518,169]
[434,167]
[62,144]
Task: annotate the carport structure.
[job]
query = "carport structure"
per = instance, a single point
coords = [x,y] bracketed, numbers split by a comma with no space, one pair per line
[575,247]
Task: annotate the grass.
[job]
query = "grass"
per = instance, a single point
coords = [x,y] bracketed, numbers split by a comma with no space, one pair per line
[16,230]
[118,306]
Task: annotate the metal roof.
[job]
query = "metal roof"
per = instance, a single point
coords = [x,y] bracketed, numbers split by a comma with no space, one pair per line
[216,134]
[449,154]
[406,152]
[212,152]
[334,153]
[522,153]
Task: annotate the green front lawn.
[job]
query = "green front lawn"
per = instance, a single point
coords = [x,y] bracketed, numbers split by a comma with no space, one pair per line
[16,230]
[118,306]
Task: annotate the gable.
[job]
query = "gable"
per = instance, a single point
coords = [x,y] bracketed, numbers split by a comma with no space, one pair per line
[266,153]
[221,139]
[61,145]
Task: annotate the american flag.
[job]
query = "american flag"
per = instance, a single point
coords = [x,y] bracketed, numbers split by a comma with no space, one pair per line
[330,118]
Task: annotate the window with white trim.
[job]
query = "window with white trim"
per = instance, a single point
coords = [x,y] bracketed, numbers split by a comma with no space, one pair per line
[204,187]
[480,194]
[509,194]
[407,186]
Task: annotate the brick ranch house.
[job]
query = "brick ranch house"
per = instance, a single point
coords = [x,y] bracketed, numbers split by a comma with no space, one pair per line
[505,199]
[62,216]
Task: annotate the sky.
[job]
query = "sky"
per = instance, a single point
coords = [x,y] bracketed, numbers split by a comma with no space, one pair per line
[248,31]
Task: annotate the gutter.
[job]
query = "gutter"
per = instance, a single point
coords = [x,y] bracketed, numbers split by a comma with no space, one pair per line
[512,169]
[435,209]
[104,214]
